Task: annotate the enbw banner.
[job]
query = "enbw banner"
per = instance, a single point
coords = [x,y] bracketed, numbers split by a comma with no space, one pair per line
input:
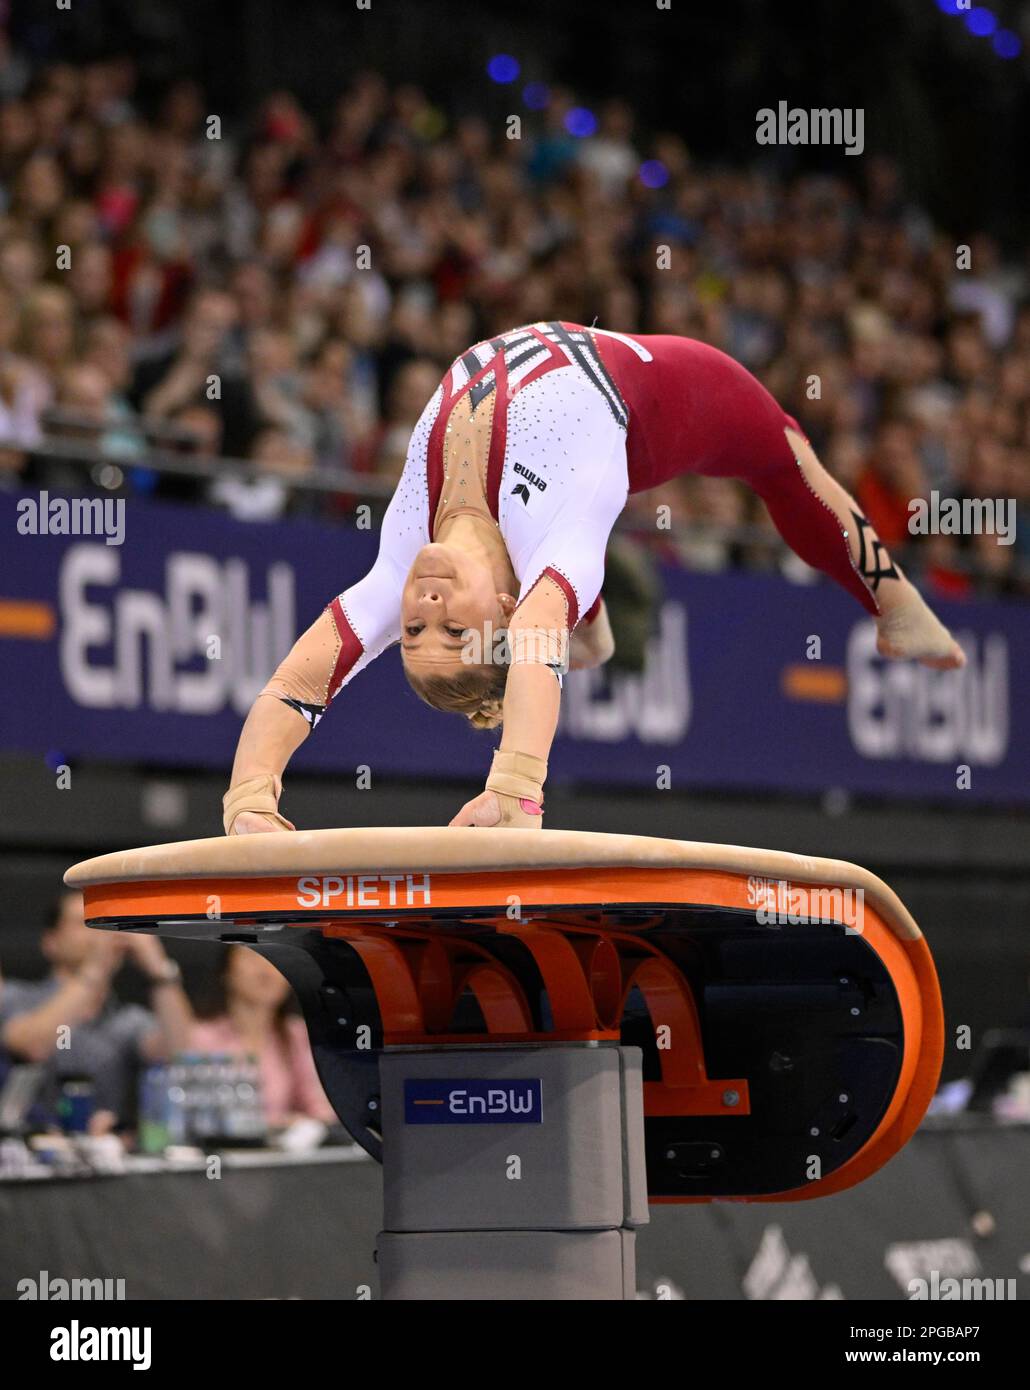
[151,650]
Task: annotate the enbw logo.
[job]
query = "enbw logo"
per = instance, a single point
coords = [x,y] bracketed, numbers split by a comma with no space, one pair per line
[473,1102]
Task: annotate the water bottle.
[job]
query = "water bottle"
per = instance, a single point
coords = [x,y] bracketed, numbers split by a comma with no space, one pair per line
[204,1111]
[154,1110]
[178,1105]
[76,1102]
[250,1102]
[225,1098]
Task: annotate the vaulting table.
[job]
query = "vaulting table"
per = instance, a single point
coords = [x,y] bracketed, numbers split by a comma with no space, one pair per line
[539,1032]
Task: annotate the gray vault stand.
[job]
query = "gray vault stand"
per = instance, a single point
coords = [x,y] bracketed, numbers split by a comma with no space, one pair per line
[516,1210]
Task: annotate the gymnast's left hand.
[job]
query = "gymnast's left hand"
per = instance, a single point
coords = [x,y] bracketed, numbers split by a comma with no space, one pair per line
[504,812]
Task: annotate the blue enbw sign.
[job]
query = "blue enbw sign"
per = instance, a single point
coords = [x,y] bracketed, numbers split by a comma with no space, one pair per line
[153,652]
[470,1102]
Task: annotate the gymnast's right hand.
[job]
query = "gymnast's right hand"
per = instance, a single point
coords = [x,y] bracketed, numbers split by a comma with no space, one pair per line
[251,806]
[254,823]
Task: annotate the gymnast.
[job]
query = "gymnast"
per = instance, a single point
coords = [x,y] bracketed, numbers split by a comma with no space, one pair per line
[491,554]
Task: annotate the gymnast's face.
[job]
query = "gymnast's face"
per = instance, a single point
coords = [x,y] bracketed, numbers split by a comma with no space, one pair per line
[449,597]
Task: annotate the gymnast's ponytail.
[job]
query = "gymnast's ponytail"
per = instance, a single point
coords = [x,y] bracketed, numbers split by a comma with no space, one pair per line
[488,716]
[477,692]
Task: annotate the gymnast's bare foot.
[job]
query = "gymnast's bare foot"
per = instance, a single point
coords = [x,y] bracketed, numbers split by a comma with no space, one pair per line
[910,631]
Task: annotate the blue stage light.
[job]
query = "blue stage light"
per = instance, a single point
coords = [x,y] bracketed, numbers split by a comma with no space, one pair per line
[981,22]
[1007,44]
[502,67]
[580,122]
[653,174]
[536,95]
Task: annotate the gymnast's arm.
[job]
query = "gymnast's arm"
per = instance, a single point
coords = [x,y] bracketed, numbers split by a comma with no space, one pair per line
[562,582]
[355,628]
[351,632]
[538,640]
[275,728]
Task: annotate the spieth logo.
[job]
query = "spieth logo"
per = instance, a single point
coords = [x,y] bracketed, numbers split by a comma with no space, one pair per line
[778,903]
[470,1102]
[365,890]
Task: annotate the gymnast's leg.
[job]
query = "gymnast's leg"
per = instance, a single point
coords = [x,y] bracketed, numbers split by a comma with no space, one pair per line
[825,526]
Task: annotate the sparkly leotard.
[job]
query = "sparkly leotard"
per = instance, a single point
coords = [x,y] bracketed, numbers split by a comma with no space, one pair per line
[563,422]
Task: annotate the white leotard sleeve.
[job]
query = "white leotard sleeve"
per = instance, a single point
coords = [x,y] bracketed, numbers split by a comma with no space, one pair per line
[371,608]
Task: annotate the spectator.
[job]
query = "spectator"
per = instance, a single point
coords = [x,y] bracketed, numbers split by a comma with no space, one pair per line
[86,409]
[315,280]
[107,346]
[195,372]
[276,384]
[23,392]
[265,494]
[200,432]
[892,477]
[251,1017]
[48,332]
[73,1023]
[335,423]
[410,393]
[21,264]
[91,277]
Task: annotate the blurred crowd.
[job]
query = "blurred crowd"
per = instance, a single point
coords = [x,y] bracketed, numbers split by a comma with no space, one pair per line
[73,1036]
[288,290]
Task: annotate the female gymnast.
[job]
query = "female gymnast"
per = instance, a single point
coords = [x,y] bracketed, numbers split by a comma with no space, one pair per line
[491,555]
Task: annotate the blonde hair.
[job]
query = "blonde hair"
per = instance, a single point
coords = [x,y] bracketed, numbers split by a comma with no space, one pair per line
[476,692]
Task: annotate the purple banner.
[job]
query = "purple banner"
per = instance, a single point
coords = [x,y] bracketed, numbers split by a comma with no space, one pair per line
[151,648]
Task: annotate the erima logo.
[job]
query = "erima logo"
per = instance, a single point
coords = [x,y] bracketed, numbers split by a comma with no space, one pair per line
[531,477]
[522,490]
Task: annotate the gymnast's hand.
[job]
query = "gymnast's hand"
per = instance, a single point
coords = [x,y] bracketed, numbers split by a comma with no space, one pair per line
[504,812]
[254,823]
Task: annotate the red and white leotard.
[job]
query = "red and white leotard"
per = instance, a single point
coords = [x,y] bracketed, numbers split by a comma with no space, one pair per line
[582,417]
